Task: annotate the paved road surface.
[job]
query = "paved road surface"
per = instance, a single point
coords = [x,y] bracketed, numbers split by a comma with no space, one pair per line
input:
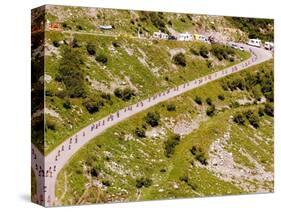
[47,168]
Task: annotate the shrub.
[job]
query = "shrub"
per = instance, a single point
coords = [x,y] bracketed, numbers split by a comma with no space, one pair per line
[198,100]
[222,52]
[106,96]
[199,155]
[184,178]
[143,182]
[93,106]
[115,44]
[152,118]
[170,145]
[209,101]
[171,107]
[75,43]
[239,119]
[140,132]
[211,110]
[261,111]
[71,72]
[91,49]
[125,94]
[269,109]
[94,172]
[195,51]
[51,123]
[204,52]
[56,44]
[221,97]
[179,59]
[254,120]
[67,104]
[102,59]
[106,183]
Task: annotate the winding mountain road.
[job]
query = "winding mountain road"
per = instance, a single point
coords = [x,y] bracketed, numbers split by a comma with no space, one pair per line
[46,168]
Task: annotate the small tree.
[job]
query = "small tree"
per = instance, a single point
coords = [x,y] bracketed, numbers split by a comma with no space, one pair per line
[143,182]
[140,132]
[269,109]
[171,107]
[91,49]
[221,97]
[204,52]
[102,59]
[209,101]
[179,59]
[211,110]
[239,119]
[152,118]
[198,100]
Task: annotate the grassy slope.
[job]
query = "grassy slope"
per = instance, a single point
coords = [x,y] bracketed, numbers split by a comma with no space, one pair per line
[145,157]
[121,64]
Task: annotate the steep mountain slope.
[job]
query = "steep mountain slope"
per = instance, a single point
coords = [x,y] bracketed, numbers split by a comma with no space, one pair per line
[214,140]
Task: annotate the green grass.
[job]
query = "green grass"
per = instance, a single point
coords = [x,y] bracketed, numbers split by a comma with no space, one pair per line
[145,157]
[157,55]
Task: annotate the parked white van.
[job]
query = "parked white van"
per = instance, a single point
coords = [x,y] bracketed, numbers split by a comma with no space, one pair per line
[185,37]
[254,42]
[269,46]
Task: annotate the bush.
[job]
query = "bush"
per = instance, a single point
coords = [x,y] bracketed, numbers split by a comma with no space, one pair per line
[194,51]
[93,106]
[269,109]
[51,123]
[261,111]
[179,59]
[94,172]
[143,182]
[222,52]
[198,100]
[115,44]
[56,44]
[171,107]
[102,59]
[211,110]
[67,104]
[204,52]
[252,117]
[170,145]
[91,49]
[184,178]
[125,94]
[209,101]
[152,118]
[140,132]
[71,72]
[221,97]
[106,183]
[199,155]
[254,120]
[239,119]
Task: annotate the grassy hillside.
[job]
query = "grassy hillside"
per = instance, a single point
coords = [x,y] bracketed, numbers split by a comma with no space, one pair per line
[213,140]
[90,76]
[142,23]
